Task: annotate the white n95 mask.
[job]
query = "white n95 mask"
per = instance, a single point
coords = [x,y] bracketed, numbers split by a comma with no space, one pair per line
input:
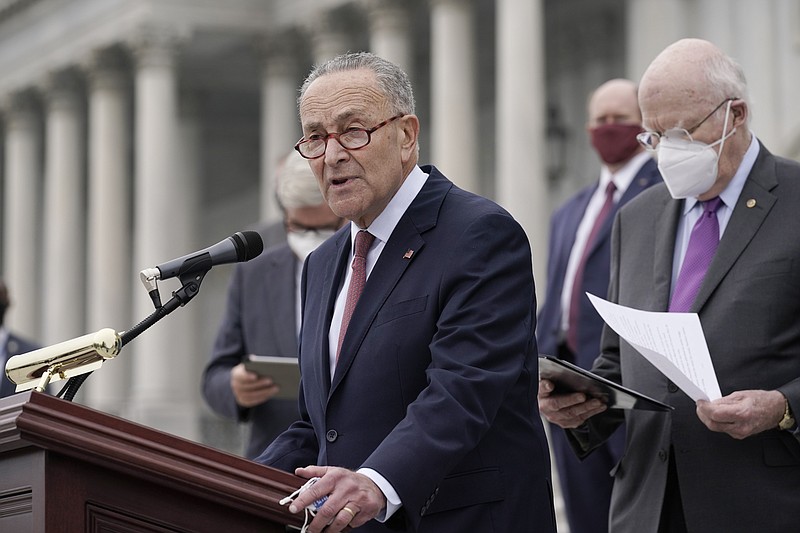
[689,167]
[303,243]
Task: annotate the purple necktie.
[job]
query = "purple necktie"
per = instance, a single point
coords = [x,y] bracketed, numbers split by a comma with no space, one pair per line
[357,281]
[573,320]
[702,247]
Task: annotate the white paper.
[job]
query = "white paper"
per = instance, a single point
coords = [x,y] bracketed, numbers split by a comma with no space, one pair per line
[673,342]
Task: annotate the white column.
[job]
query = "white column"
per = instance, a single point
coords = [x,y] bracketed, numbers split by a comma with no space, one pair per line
[22,213]
[161,395]
[64,213]
[280,125]
[110,233]
[646,37]
[453,92]
[389,31]
[189,171]
[521,167]
[328,37]
[190,354]
[759,52]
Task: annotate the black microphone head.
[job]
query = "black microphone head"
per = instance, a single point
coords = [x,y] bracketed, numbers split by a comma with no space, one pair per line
[248,245]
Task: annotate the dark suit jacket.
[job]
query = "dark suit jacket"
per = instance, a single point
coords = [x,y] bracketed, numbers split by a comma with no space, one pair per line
[586,485]
[15,345]
[563,227]
[749,306]
[259,319]
[436,382]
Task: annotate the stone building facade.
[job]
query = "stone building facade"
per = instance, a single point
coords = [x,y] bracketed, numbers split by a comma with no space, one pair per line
[136,131]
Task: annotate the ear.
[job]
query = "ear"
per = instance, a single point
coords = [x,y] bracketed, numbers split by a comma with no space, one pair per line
[408,137]
[739,113]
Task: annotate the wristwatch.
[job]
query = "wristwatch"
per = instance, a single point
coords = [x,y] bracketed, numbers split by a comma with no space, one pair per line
[787,422]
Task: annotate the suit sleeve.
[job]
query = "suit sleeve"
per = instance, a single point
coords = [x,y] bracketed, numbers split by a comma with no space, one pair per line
[482,344]
[228,351]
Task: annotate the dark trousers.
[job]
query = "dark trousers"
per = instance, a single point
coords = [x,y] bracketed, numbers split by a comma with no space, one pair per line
[672,519]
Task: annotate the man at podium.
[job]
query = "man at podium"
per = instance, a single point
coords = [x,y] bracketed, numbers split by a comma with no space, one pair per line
[417,351]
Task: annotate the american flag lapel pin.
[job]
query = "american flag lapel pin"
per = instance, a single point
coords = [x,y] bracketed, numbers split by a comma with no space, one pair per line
[408,254]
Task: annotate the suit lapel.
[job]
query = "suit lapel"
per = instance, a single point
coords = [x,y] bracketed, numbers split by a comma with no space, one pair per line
[283,269]
[330,287]
[574,218]
[387,272]
[392,263]
[752,207]
[640,182]
[667,217]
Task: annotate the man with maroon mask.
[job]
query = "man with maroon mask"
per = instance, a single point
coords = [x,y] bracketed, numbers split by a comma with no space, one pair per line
[579,262]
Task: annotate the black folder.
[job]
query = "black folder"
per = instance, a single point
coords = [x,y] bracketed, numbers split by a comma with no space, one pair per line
[571,378]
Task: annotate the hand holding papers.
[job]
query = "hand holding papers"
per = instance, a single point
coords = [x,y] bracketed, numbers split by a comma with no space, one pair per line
[673,342]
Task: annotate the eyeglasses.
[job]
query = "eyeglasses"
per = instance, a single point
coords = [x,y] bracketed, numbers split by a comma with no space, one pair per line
[650,139]
[352,139]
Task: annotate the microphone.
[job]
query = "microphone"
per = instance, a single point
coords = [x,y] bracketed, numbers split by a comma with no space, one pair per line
[239,247]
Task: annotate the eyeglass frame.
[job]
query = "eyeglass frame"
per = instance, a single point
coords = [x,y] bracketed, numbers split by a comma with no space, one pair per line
[651,147]
[335,135]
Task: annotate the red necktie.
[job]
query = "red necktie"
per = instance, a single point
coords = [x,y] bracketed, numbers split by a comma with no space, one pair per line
[357,281]
[573,320]
[702,246]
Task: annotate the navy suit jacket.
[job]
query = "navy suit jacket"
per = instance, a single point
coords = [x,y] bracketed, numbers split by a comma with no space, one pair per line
[563,227]
[15,345]
[259,319]
[435,388]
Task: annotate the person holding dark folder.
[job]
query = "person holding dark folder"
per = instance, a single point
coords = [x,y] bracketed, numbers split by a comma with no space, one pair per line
[578,262]
[720,238]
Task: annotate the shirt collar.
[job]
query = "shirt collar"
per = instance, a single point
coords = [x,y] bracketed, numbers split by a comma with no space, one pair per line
[731,193]
[383,226]
[624,176]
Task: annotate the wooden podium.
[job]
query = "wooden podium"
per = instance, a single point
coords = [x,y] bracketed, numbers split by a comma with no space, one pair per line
[67,468]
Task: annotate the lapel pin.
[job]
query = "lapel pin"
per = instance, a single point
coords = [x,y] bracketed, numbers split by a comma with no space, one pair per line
[408,254]
[751,202]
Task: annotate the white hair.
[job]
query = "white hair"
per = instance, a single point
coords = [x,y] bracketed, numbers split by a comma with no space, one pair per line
[295,184]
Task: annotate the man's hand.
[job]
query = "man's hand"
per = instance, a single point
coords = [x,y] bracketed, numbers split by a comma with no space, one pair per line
[353,498]
[566,410]
[743,413]
[249,388]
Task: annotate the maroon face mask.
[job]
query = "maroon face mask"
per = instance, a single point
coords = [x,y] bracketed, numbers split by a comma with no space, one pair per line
[615,142]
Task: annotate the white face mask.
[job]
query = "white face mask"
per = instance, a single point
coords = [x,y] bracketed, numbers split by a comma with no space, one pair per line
[690,168]
[303,243]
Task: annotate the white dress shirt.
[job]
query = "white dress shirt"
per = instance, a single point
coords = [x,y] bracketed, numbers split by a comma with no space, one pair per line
[622,180]
[382,228]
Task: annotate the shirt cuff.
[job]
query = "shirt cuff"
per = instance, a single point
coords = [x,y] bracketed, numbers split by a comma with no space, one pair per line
[393,502]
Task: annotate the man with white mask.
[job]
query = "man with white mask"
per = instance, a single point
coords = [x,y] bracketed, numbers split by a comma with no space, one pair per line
[262,316]
[720,239]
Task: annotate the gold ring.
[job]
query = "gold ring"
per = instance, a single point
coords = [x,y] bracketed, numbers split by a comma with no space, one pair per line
[352,514]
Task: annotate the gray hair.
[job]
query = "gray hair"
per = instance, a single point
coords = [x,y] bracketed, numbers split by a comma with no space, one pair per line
[725,79]
[295,184]
[392,80]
